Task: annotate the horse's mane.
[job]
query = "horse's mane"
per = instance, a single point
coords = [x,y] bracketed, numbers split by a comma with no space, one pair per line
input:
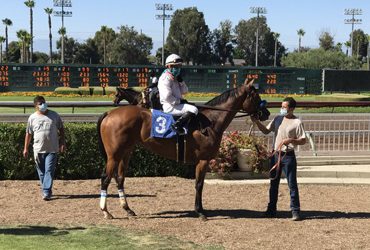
[222,98]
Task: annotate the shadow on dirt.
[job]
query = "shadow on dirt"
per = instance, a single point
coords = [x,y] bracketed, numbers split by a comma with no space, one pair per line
[38,230]
[96,196]
[243,213]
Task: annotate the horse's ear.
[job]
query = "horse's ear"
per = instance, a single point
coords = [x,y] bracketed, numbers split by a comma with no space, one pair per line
[248,82]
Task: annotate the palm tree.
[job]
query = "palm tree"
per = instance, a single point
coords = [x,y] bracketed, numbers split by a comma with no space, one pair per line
[276,37]
[30,4]
[49,11]
[7,22]
[62,31]
[2,39]
[24,40]
[300,33]
[348,45]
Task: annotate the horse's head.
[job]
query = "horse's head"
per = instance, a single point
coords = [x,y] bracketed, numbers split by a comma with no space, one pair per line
[128,94]
[119,96]
[253,103]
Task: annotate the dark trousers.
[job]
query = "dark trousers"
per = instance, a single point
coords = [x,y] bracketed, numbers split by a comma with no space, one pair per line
[288,164]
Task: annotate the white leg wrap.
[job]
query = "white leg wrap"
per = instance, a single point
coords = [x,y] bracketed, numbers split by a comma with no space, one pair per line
[103,199]
[122,197]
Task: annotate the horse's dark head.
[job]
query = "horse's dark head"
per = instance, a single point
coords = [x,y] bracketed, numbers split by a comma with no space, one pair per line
[253,103]
[130,95]
[118,97]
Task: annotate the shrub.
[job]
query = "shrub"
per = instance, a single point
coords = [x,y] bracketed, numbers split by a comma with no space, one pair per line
[108,90]
[82,160]
[67,91]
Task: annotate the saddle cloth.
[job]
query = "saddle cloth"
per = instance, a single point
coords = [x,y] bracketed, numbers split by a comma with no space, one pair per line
[161,125]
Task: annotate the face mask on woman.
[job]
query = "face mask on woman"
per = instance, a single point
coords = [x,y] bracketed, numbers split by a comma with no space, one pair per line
[43,107]
[283,111]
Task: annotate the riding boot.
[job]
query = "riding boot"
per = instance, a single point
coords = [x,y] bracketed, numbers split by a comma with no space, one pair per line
[178,126]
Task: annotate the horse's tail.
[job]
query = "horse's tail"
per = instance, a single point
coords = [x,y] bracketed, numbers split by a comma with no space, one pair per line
[100,141]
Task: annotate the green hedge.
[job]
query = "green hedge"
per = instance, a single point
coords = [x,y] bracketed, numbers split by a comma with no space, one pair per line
[82,160]
[84,91]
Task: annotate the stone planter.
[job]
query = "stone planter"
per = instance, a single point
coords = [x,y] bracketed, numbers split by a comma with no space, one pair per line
[245,160]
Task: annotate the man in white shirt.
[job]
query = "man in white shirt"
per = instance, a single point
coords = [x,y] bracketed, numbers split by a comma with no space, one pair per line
[288,132]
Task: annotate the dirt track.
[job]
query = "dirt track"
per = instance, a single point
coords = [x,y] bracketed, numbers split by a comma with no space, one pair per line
[337,216]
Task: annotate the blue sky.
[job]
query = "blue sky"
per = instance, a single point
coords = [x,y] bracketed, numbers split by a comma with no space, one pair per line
[283,16]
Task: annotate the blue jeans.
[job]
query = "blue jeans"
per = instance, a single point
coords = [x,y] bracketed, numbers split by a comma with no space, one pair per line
[46,164]
[289,165]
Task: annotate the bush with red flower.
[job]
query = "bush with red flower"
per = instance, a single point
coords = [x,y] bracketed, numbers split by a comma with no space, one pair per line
[234,142]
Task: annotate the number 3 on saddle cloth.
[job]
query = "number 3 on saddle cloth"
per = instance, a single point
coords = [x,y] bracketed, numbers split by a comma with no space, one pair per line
[161,125]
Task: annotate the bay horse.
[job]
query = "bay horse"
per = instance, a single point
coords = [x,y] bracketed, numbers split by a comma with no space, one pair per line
[121,129]
[131,95]
[146,98]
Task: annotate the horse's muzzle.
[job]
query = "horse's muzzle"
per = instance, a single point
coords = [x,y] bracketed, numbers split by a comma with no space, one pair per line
[263,114]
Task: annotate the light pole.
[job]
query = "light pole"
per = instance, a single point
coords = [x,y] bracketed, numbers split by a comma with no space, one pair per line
[258,11]
[353,21]
[62,3]
[163,16]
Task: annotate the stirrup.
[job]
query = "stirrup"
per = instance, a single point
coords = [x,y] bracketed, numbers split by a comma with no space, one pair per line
[178,130]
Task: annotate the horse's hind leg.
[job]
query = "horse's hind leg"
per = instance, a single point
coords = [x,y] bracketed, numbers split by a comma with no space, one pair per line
[200,173]
[105,181]
[122,170]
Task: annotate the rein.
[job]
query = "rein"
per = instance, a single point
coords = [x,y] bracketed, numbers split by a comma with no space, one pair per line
[221,109]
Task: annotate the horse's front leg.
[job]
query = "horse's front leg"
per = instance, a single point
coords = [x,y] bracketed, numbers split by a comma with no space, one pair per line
[120,186]
[200,173]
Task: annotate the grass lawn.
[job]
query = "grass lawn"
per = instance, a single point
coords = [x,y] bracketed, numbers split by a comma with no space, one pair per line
[65,238]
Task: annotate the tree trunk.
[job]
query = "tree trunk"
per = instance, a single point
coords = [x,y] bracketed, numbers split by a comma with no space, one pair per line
[31,28]
[6,43]
[1,52]
[50,42]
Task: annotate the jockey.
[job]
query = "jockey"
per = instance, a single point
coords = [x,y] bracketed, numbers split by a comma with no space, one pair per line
[171,88]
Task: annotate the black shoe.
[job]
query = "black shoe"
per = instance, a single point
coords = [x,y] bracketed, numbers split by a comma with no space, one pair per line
[46,197]
[270,213]
[296,216]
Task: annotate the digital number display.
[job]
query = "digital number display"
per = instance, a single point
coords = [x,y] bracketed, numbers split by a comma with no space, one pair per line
[84,76]
[4,76]
[122,76]
[271,79]
[47,77]
[63,75]
[41,76]
[103,76]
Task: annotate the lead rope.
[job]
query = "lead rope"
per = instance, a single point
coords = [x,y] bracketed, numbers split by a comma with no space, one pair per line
[276,167]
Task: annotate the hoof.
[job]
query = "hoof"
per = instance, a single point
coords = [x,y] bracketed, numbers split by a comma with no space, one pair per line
[107,215]
[131,213]
[203,217]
